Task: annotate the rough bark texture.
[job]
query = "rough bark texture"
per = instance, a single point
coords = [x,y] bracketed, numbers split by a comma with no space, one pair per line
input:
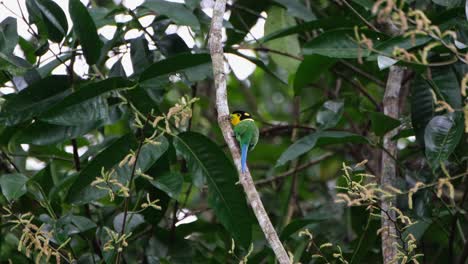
[388,173]
[217,56]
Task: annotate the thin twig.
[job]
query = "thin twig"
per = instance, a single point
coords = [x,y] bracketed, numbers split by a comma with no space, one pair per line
[369,24]
[359,87]
[132,175]
[217,55]
[363,73]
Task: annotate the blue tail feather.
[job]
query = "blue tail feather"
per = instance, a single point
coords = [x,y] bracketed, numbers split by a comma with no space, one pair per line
[244,150]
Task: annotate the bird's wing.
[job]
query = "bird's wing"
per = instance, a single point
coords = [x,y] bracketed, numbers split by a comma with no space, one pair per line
[243,132]
[255,136]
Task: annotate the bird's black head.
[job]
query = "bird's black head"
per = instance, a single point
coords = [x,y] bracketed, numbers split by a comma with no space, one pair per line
[238,116]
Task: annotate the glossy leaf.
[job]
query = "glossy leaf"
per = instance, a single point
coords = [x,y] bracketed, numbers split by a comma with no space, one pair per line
[278,19]
[317,139]
[441,136]
[55,19]
[86,104]
[106,159]
[339,43]
[309,71]
[330,114]
[179,13]
[8,35]
[297,9]
[133,221]
[208,163]
[170,183]
[34,100]
[381,123]
[179,63]
[13,185]
[40,133]
[85,30]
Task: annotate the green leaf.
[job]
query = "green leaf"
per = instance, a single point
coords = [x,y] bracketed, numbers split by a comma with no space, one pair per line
[105,159]
[140,54]
[386,47]
[15,65]
[278,19]
[149,154]
[177,12]
[330,114]
[447,3]
[340,43]
[310,69]
[297,9]
[85,105]
[445,85]
[324,23]
[133,221]
[259,64]
[178,63]
[170,183]
[13,185]
[317,139]
[207,161]
[85,30]
[34,100]
[55,19]
[243,16]
[8,35]
[40,133]
[441,136]
[28,50]
[381,123]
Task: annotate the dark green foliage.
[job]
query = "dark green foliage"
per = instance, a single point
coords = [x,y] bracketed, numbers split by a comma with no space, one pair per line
[80,148]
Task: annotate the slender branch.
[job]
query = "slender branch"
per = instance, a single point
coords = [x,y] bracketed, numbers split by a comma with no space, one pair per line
[360,16]
[265,49]
[360,88]
[292,171]
[132,175]
[10,161]
[217,56]
[363,73]
[388,164]
[76,156]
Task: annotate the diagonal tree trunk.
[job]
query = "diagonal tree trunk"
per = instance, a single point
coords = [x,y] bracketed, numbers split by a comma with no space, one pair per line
[388,165]
[217,56]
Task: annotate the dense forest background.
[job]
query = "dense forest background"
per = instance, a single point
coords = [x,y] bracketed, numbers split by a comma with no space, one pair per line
[111,150]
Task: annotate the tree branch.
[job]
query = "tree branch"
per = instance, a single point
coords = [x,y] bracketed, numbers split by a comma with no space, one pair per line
[217,56]
[388,165]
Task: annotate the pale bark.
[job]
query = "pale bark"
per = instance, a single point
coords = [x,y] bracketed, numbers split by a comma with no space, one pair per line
[217,56]
[388,165]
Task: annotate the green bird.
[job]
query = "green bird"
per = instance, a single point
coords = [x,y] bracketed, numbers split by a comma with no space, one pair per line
[246,133]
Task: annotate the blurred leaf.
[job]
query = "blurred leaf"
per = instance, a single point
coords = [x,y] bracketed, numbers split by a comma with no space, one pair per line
[340,43]
[117,70]
[317,139]
[296,9]
[381,123]
[447,3]
[40,133]
[85,30]
[55,19]
[34,100]
[297,225]
[244,15]
[13,64]
[172,44]
[445,85]
[170,183]
[13,185]
[207,161]
[141,56]
[259,64]
[28,50]
[323,23]
[278,19]
[133,221]
[178,63]
[179,13]
[330,114]
[8,35]
[441,136]
[85,105]
[386,48]
[106,159]
[309,71]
